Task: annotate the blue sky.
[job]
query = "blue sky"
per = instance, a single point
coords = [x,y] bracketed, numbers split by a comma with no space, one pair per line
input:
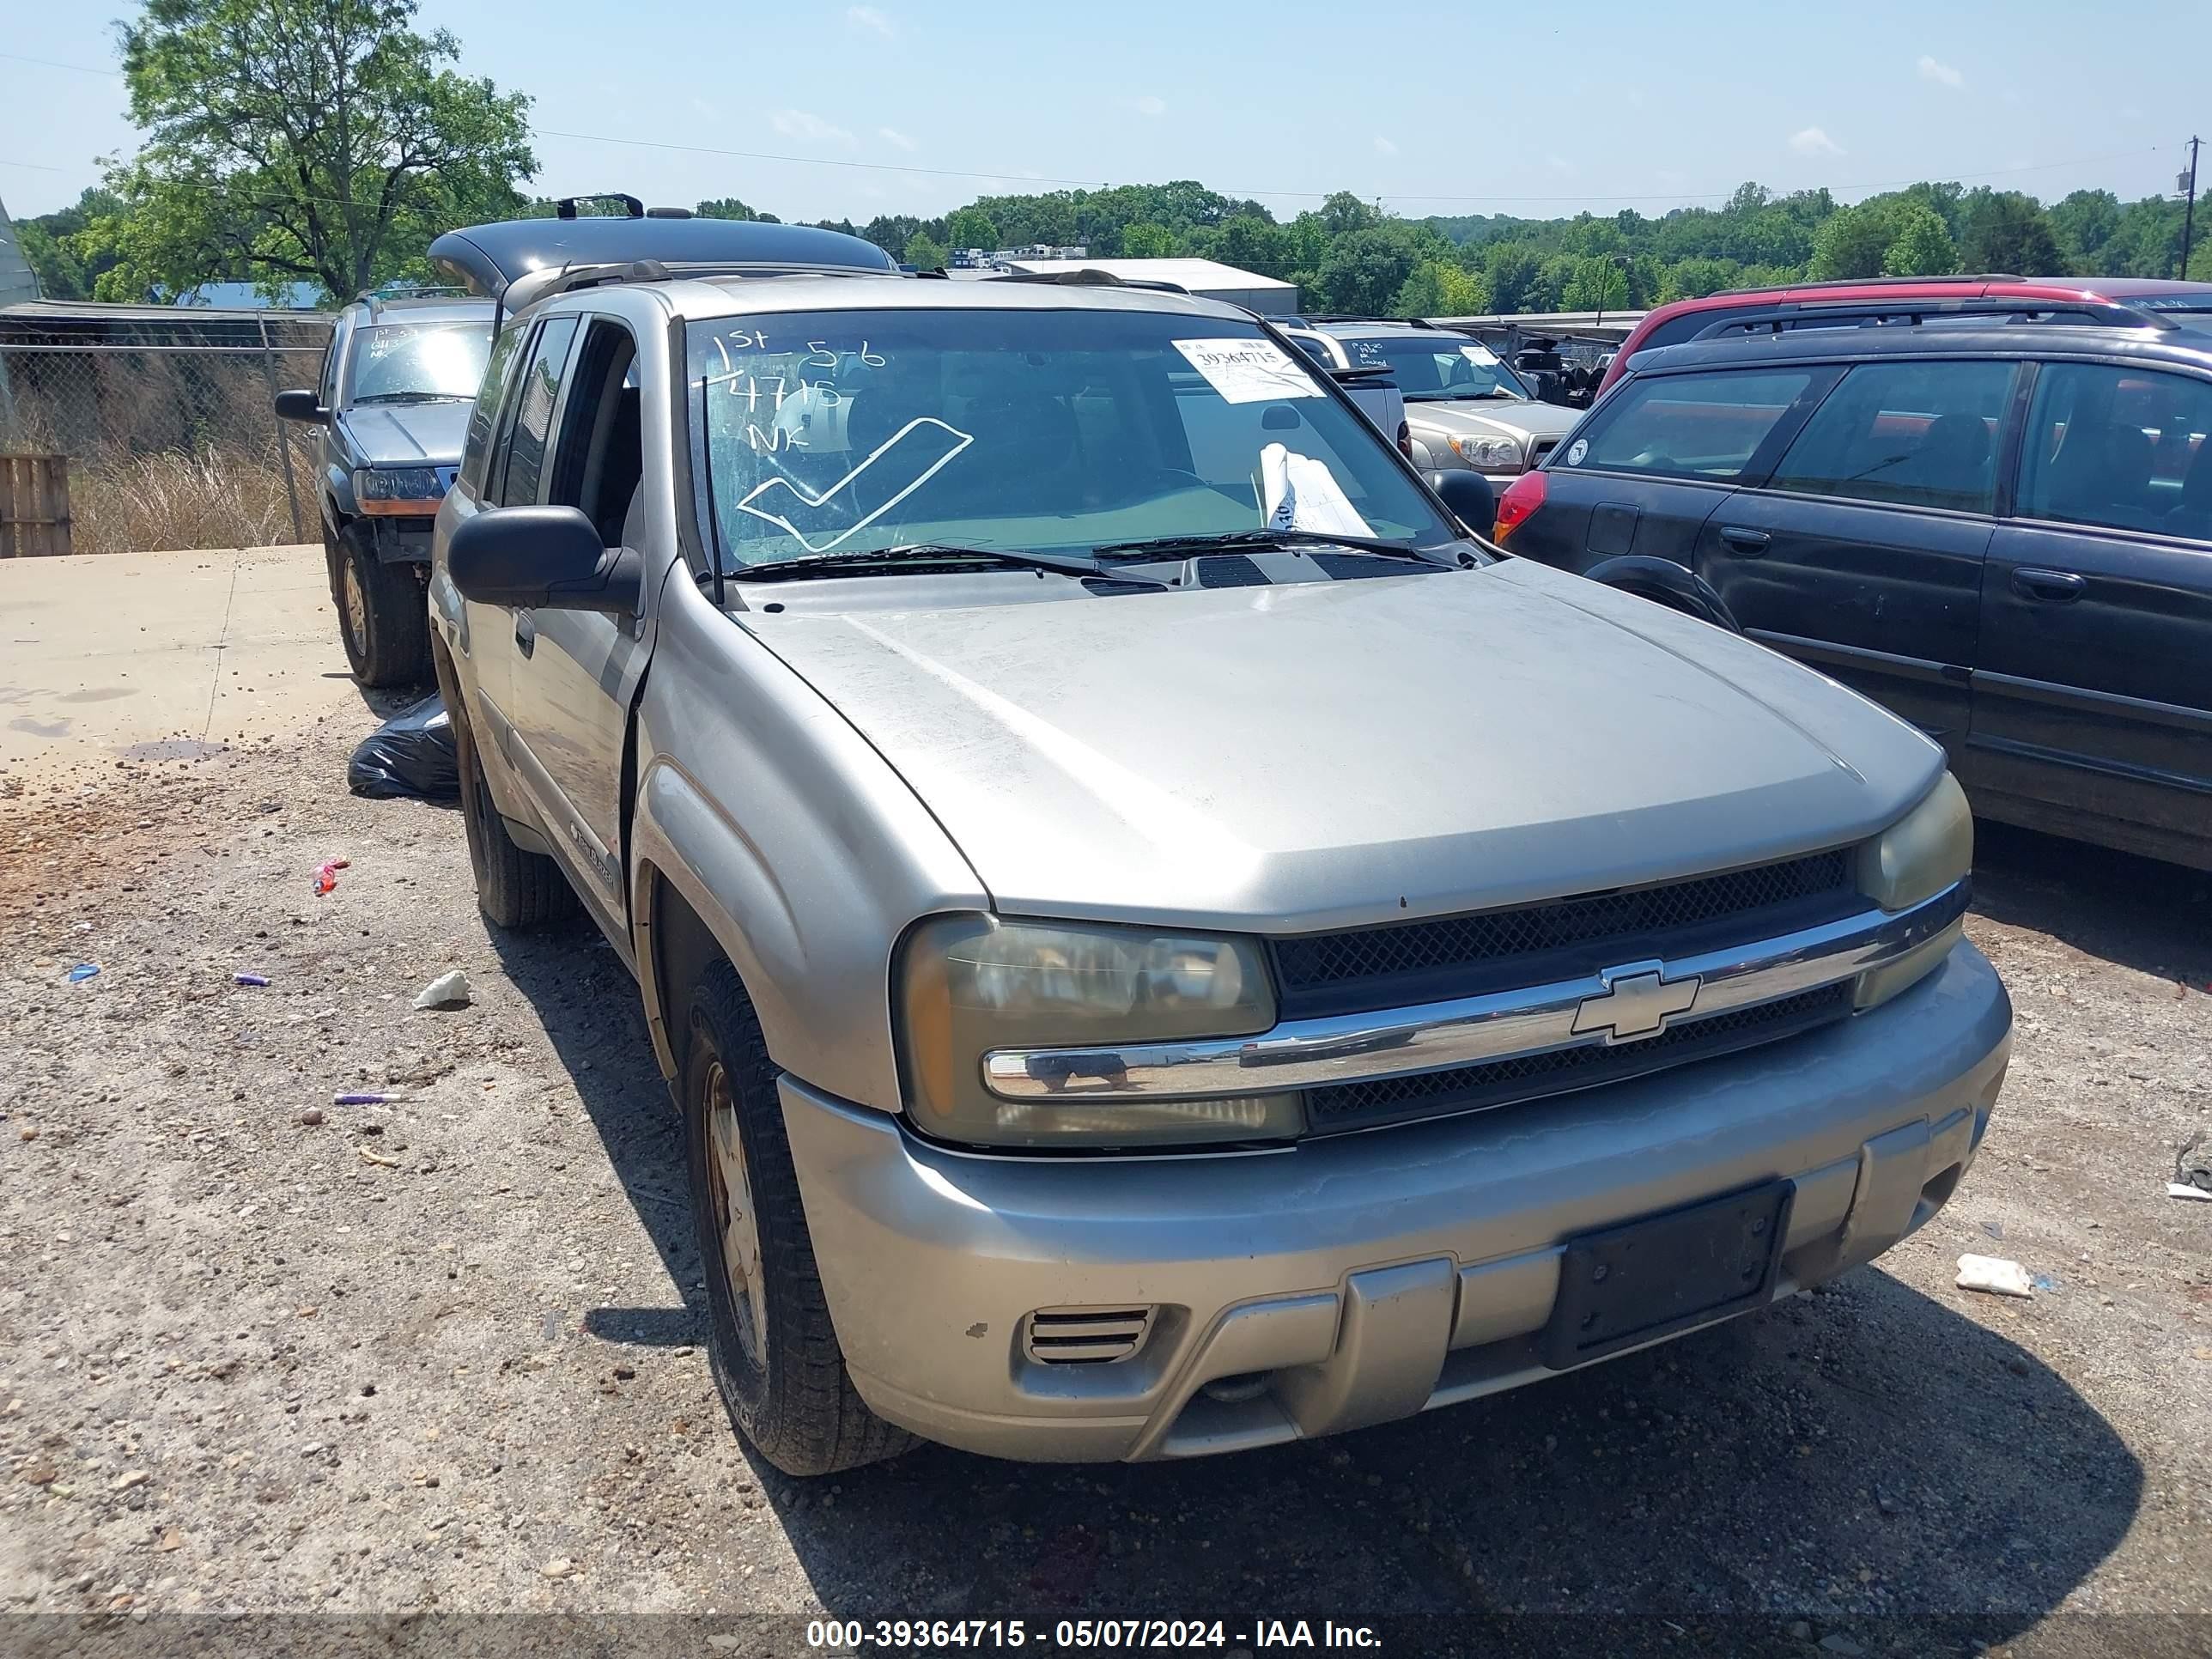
[1433,109]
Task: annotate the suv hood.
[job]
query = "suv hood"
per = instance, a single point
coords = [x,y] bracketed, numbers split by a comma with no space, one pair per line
[1488,418]
[1329,753]
[407,435]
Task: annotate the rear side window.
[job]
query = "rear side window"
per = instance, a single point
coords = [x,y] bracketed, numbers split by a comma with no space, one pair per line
[1916,435]
[534,417]
[1689,426]
[498,374]
[2123,447]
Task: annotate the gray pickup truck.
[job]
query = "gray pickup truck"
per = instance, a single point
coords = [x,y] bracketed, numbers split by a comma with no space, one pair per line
[1162,941]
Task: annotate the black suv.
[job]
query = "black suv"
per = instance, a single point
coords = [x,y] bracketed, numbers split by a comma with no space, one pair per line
[1999,524]
[398,384]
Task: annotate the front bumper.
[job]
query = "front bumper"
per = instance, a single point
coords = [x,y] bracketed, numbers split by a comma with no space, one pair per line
[1351,1280]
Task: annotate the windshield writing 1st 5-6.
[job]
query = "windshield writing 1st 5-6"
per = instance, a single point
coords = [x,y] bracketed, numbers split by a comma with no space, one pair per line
[849,432]
[402,362]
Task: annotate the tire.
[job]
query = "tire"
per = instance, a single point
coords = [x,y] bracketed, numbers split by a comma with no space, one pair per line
[384,616]
[514,889]
[775,1354]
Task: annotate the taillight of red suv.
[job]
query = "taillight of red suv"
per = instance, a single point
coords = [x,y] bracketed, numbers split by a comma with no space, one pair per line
[1520,500]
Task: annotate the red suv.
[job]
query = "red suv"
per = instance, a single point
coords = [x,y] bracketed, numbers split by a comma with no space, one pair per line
[1683,319]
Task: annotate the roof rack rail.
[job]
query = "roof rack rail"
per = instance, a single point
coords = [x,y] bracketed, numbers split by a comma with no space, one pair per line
[1874,281]
[566,207]
[1879,312]
[1400,322]
[1090,277]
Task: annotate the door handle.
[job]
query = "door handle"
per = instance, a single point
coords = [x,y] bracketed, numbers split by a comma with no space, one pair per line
[2049,587]
[1749,543]
[525,632]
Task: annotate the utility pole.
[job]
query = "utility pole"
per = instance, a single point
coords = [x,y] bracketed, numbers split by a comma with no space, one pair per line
[2188,183]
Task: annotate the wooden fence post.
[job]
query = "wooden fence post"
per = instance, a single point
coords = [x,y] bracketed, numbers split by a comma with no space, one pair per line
[34,513]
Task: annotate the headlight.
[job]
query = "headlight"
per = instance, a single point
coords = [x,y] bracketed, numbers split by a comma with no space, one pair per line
[1929,850]
[398,489]
[966,985]
[1496,454]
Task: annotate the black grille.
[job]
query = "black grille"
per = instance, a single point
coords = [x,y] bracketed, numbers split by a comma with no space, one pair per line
[1402,963]
[1528,1077]
[1230,570]
[1356,567]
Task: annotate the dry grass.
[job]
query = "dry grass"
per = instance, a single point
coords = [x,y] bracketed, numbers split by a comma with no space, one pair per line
[214,496]
[164,452]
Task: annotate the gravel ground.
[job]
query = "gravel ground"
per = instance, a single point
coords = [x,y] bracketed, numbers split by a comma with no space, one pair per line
[443,1356]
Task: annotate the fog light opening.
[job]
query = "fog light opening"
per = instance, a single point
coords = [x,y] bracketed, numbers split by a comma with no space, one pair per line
[1236,1390]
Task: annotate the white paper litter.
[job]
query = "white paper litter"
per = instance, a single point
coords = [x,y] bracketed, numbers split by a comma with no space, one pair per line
[1994,1275]
[2183,1190]
[1247,371]
[1479,354]
[448,990]
[1300,493]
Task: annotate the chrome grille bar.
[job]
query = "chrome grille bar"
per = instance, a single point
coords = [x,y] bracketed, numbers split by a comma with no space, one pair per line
[1620,1005]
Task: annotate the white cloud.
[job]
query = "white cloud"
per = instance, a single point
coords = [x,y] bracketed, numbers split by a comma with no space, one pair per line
[1813,141]
[1383,146]
[1941,73]
[870,19]
[810,128]
[1148,105]
[893,136]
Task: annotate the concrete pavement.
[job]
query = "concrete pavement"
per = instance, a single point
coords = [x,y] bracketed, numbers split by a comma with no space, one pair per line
[162,656]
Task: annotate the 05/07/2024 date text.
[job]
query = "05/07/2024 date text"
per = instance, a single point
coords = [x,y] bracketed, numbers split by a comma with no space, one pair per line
[856,1635]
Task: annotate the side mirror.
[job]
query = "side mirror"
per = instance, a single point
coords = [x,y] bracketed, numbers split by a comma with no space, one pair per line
[1471,497]
[543,558]
[301,405]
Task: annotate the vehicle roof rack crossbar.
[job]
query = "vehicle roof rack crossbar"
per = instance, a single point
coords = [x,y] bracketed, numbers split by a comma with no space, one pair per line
[632,208]
[1874,281]
[1876,313]
[1090,277]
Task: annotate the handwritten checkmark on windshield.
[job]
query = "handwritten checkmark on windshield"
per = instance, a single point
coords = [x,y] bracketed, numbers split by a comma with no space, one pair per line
[914,454]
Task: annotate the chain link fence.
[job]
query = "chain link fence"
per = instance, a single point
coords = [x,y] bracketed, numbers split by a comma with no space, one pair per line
[145,431]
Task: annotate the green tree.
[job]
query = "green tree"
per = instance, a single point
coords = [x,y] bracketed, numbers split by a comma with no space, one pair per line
[1251,243]
[1437,287]
[1598,284]
[1921,246]
[302,140]
[2086,222]
[973,227]
[1692,279]
[2008,231]
[68,262]
[1853,242]
[1344,213]
[1361,272]
[1149,242]
[1513,268]
[923,254]
[729,207]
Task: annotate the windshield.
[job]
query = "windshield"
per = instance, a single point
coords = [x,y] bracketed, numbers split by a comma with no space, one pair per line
[849,432]
[406,362]
[1441,370]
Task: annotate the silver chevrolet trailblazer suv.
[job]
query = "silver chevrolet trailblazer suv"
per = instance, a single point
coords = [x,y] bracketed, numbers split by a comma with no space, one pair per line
[1163,942]
[1464,407]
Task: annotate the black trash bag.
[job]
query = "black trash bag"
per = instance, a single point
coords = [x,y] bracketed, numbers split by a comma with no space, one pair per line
[408,757]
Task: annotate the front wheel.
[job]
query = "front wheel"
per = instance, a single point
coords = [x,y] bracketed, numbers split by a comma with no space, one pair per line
[384,618]
[514,888]
[775,1353]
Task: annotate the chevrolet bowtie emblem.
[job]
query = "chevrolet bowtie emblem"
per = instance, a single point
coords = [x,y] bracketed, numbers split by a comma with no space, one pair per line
[1637,1001]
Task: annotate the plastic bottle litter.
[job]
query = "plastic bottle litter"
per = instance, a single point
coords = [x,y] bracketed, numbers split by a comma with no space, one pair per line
[1994,1275]
[326,875]
[82,972]
[249,979]
[449,990]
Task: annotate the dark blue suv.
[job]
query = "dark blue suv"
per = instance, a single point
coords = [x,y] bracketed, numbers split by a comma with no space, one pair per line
[399,381]
[1999,524]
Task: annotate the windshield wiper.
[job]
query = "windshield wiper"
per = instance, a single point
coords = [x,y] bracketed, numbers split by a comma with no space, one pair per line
[1230,539]
[1441,396]
[905,557]
[410,397]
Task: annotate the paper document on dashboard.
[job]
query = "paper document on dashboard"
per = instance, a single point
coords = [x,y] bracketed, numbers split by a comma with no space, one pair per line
[1300,493]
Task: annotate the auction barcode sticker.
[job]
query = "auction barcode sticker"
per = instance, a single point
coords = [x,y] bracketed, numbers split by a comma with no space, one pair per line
[1247,371]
